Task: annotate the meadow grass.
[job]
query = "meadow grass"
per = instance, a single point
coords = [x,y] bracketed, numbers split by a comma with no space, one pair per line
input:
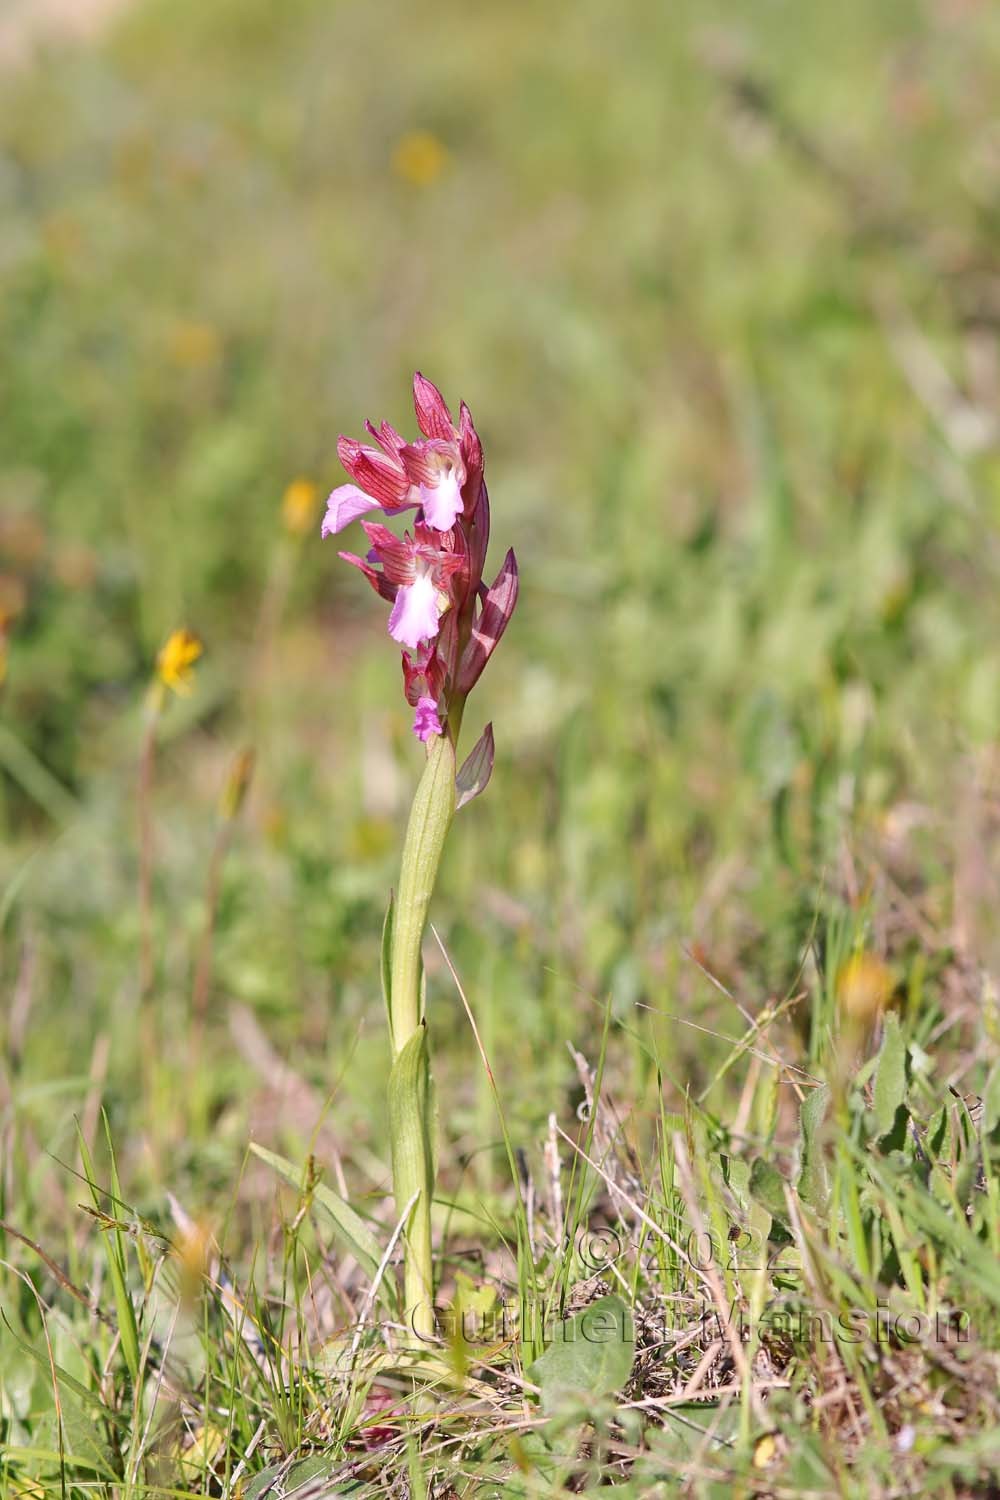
[721,293]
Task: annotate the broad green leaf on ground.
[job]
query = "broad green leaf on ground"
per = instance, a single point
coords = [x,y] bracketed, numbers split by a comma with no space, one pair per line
[591,1354]
[315,1467]
[64,1379]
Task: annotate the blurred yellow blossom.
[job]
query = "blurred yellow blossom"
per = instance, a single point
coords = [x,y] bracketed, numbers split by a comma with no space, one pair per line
[175,663]
[765,1451]
[194,345]
[300,506]
[276,825]
[194,1250]
[63,236]
[419,158]
[864,987]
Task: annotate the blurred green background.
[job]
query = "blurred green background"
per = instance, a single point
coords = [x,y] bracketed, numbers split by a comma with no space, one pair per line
[720,285]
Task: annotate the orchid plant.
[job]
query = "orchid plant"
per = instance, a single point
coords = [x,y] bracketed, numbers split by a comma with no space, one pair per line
[448,622]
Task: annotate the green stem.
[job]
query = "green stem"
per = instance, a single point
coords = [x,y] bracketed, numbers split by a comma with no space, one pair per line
[430,819]
[410,1094]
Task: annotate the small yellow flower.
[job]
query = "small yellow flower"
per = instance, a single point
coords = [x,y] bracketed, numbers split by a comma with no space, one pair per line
[299,506]
[765,1451]
[194,1251]
[175,663]
[419,158]
[193,345]
[63,236]
[864,987]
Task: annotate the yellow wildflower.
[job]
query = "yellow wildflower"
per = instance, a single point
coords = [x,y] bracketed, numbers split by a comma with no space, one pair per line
[765,1451]
[193,345]
[194,1250]
[175,663]
[300,506]
[864,987]
[419,158]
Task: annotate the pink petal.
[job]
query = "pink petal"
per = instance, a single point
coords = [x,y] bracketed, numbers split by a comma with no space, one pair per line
[395,555]
[469,445]
[344,506]
[388,439]
[416,613]
[498,606]
[425,720]
[379,474]
[378,580]
[442,502]
[478,536]
[433,416]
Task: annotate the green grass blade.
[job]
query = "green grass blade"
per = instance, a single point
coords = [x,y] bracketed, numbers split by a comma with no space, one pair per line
[117,1265]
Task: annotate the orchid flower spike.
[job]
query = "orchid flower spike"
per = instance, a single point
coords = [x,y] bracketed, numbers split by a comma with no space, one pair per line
[443,615]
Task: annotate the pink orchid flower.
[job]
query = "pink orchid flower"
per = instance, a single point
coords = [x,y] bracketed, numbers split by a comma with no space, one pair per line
[443,614]
[416,575]
[396,475]
[426,721]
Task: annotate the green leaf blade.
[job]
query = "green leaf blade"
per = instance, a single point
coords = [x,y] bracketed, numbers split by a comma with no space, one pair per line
[349,1228]
[590,1357]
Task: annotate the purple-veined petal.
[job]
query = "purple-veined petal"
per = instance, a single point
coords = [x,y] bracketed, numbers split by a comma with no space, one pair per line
[425,720]
[378,580]
[433,416]
[394,553]
[416,612]
[378,473]
[345,505]
[478,533]
[497,608]
[471,450]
